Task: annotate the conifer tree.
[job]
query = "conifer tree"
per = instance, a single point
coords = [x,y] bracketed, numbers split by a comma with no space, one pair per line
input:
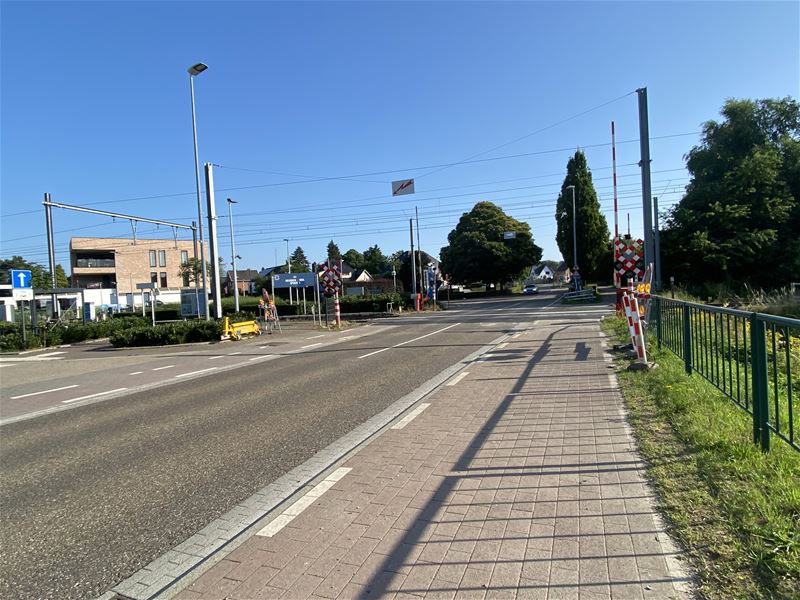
[593,238]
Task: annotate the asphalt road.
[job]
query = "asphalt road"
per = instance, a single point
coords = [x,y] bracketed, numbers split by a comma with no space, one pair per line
[91,494]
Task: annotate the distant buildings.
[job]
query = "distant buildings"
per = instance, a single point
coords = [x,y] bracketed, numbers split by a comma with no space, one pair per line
[120,263]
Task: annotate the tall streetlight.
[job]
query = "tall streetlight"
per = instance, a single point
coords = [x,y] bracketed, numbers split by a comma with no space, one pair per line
[231,202]
[574,230]
[193,71]
[289,266]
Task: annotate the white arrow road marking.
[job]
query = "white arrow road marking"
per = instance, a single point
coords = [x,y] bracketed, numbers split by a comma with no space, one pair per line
[409,341]
[93,395]
[66,387]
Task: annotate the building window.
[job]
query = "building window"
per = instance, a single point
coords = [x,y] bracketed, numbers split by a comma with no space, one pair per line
[153,277]
[184,257]
[162,258]
[152,258]
[163,283]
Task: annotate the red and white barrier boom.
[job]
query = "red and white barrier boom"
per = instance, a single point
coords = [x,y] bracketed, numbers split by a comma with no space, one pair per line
[635,324]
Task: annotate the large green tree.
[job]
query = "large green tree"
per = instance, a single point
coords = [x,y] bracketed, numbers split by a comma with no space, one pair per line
[376,261]
[739,220]
[592,236]
[477,250]
[354,258]
[40,277]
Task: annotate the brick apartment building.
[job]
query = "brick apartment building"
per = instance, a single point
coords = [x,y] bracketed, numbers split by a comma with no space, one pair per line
[121,263]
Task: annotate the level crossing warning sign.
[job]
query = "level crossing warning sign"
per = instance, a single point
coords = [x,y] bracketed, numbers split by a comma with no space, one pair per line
[330,277]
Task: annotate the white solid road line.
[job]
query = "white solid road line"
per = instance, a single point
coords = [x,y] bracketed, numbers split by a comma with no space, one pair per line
[216,357]
[409,341]
[501,346]
[195,372]
[310,345]
[313,337]
[234,353]
[66,387]
[162,368]
[93,395]
[410,416]
[136,373]
[457,378]
[303,503]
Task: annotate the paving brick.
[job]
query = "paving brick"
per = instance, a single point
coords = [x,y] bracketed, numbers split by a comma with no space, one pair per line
[254,584]
[504,487]
[333,585]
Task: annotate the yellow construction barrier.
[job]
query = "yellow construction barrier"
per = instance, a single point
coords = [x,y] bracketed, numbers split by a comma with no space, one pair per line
[235,331]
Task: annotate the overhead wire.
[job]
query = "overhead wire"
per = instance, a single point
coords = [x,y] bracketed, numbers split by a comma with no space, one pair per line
[407,169]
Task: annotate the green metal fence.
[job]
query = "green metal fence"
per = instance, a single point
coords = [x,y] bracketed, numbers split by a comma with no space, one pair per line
[753,358]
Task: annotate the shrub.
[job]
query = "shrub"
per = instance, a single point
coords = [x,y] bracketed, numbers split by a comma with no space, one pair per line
[167,334]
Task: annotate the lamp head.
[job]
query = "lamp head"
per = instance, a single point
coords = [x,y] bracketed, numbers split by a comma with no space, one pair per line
[197,69]
[232,201]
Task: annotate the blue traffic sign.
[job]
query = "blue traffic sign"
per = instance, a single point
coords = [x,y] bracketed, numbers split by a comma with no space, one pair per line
[20,278]
[291,280]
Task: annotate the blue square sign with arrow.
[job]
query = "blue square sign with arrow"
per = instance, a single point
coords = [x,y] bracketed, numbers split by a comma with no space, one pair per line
[20,278]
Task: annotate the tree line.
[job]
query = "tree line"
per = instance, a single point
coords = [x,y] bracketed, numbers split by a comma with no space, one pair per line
[737,225]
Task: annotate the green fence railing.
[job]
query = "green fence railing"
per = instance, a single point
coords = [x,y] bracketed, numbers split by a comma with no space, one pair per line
[752,358]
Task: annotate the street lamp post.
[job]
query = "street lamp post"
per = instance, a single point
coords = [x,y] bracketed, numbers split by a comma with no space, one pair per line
[193,71]
[231,202]
[574,230]
[394,278]
[289,266]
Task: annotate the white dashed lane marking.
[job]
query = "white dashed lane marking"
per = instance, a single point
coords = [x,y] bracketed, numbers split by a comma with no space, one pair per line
[410,416]
[162,368]
[93,395]
[409,341]
[303,503]
[66,387]
[458,378]
[195,372]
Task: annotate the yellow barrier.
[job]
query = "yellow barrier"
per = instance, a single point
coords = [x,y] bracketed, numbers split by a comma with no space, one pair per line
[235,331]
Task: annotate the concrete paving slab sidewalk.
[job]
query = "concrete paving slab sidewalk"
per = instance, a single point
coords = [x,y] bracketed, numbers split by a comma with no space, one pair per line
[519,480]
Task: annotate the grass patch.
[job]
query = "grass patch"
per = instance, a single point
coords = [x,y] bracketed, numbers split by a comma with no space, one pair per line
[735,509]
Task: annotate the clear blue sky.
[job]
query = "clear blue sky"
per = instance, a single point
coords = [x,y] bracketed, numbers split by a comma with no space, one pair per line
[96,111]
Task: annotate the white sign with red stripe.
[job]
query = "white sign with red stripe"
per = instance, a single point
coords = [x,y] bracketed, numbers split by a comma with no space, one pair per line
[402,187]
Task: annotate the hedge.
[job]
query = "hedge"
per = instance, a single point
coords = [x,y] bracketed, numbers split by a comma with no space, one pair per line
[168,333]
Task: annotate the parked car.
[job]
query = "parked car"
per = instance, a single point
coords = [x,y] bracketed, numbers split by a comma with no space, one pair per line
[530,290]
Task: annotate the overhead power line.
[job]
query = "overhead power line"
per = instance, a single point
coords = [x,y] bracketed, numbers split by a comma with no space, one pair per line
[346,177]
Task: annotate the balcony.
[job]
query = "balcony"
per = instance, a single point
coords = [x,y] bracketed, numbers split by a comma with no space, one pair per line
[92,263]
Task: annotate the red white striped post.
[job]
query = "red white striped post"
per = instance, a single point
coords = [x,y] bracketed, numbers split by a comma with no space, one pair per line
[337,311]
[639,331]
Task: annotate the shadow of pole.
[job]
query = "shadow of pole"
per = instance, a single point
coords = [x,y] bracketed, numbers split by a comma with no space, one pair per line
[399,554]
